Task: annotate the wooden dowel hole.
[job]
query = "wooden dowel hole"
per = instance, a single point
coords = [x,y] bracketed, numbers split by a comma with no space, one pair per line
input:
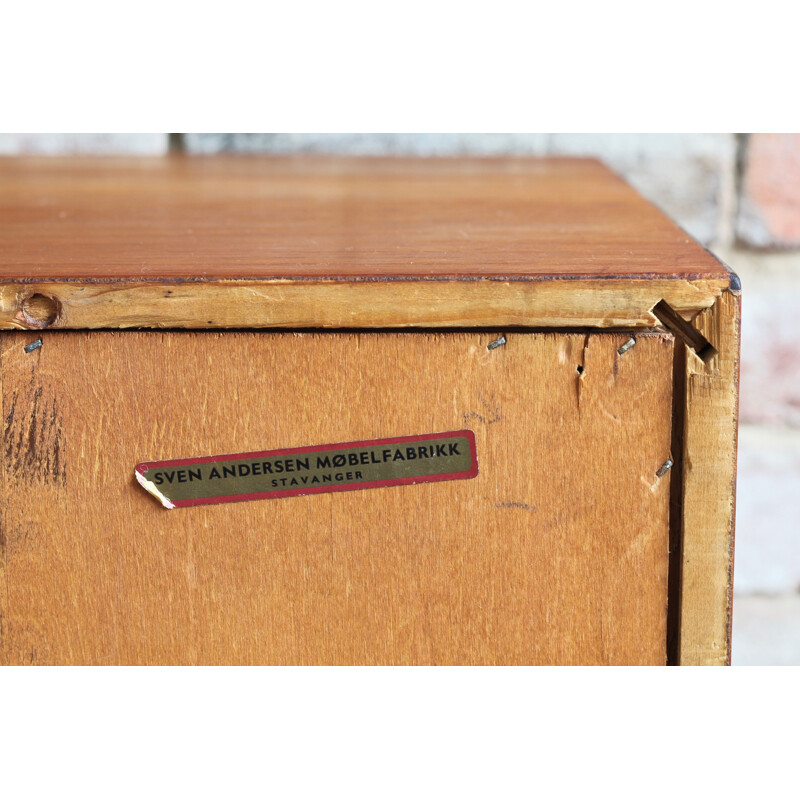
[39,310]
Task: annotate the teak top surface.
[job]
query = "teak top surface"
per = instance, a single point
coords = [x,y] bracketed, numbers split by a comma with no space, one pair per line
[250,217]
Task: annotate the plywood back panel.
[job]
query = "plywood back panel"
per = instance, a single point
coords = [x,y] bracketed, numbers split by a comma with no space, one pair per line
[556,553]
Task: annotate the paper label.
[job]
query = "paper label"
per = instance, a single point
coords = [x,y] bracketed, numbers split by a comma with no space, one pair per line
[311,470]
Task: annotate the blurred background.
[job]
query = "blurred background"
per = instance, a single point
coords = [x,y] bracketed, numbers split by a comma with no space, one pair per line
[739,195]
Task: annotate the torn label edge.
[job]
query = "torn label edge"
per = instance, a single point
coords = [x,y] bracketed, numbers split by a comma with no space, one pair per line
[152,489]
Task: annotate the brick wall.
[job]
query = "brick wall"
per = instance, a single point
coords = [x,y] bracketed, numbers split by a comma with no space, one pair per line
[740,196]
[54,144]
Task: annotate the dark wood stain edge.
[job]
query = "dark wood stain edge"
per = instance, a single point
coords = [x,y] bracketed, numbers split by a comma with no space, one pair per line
[4,658]
[676,504]
[722,275]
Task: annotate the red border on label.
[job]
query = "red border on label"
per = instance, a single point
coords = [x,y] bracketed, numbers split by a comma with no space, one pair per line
[472,472]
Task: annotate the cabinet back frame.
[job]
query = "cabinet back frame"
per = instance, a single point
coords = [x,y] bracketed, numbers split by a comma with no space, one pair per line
[701,520]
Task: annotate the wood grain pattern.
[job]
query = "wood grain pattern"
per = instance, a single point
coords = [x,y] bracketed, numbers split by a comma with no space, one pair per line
[320,242]
[256,217]
[709,484]
[382,304]
[556,553]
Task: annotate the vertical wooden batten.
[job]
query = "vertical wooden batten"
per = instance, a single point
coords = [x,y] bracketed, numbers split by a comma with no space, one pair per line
[709,484]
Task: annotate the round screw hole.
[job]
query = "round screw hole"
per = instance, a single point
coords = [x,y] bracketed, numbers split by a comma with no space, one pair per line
[39,310]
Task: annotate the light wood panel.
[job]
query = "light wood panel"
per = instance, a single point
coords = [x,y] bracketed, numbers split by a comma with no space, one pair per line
[709,489]
[363,304]
[555,553]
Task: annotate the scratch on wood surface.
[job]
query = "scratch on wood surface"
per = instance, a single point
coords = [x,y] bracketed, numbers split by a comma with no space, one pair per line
[581,371]
[637,546]
[491,416]
[611,416]
[34,446]
[516,504]
[652,486]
